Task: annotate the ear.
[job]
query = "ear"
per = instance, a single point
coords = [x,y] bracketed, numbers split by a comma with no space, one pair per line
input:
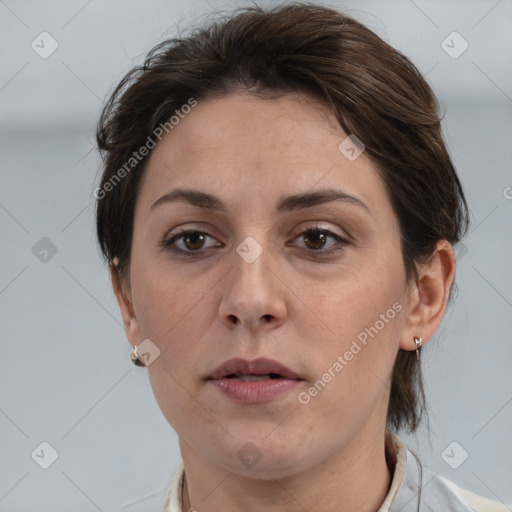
[428,296]
[131,325]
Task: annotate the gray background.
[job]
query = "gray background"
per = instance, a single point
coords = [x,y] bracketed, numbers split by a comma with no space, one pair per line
[65,374]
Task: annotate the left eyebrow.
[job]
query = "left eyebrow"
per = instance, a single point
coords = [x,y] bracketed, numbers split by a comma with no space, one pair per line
[310,199]
[207,201]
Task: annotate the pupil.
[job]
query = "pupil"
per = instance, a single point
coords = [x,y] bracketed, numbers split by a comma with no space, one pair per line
[315,235]
[194,235]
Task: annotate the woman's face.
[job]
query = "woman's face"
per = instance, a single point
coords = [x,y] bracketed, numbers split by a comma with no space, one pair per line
[257,280]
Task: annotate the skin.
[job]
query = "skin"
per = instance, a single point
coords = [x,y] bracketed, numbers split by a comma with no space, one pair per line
[302,310]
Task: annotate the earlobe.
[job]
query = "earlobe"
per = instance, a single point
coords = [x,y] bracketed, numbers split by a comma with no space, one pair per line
[130,323]
[428,297]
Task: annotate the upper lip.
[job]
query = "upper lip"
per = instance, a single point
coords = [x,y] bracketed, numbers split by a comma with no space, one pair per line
[260,366]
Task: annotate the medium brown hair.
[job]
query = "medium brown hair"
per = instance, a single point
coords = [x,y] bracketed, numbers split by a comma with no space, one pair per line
[376,93]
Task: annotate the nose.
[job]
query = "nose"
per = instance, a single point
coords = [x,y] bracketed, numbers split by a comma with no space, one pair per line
[254,295]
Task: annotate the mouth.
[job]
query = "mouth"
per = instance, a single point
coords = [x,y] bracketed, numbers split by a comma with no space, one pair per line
[248,371]
[253,382]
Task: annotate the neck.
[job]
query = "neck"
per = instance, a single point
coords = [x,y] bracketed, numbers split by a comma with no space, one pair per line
[352,479]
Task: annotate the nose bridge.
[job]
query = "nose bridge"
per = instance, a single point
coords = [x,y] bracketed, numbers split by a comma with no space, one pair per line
[251,294]
[251,261]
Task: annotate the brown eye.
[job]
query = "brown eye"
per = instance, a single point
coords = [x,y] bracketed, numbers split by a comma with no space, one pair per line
[192,242]
[315,240]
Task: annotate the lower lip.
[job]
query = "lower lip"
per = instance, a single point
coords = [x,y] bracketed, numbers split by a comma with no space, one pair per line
[256,391]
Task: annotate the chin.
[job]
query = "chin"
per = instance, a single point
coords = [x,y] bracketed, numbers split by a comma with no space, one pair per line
[262,453]
[266,468]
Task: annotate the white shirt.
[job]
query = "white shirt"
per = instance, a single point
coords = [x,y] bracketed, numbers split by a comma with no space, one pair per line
[414,488]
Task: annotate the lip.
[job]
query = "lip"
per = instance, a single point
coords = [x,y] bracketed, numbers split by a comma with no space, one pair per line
[254,391]
[260,366]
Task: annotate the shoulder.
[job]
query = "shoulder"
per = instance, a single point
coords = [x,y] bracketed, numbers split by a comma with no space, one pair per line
[416,487]
[475,501]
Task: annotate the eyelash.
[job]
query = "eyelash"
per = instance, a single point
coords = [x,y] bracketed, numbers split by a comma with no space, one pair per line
[318,253]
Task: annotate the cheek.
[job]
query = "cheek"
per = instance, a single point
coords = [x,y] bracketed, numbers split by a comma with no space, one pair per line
[167,314]
[169,390]
[164,298]
[355,301]
[353,369]
[361,316]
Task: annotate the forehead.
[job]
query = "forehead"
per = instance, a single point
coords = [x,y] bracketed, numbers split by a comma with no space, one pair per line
[240,146]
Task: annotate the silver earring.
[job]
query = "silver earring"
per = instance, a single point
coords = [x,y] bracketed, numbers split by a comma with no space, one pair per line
[418,342]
